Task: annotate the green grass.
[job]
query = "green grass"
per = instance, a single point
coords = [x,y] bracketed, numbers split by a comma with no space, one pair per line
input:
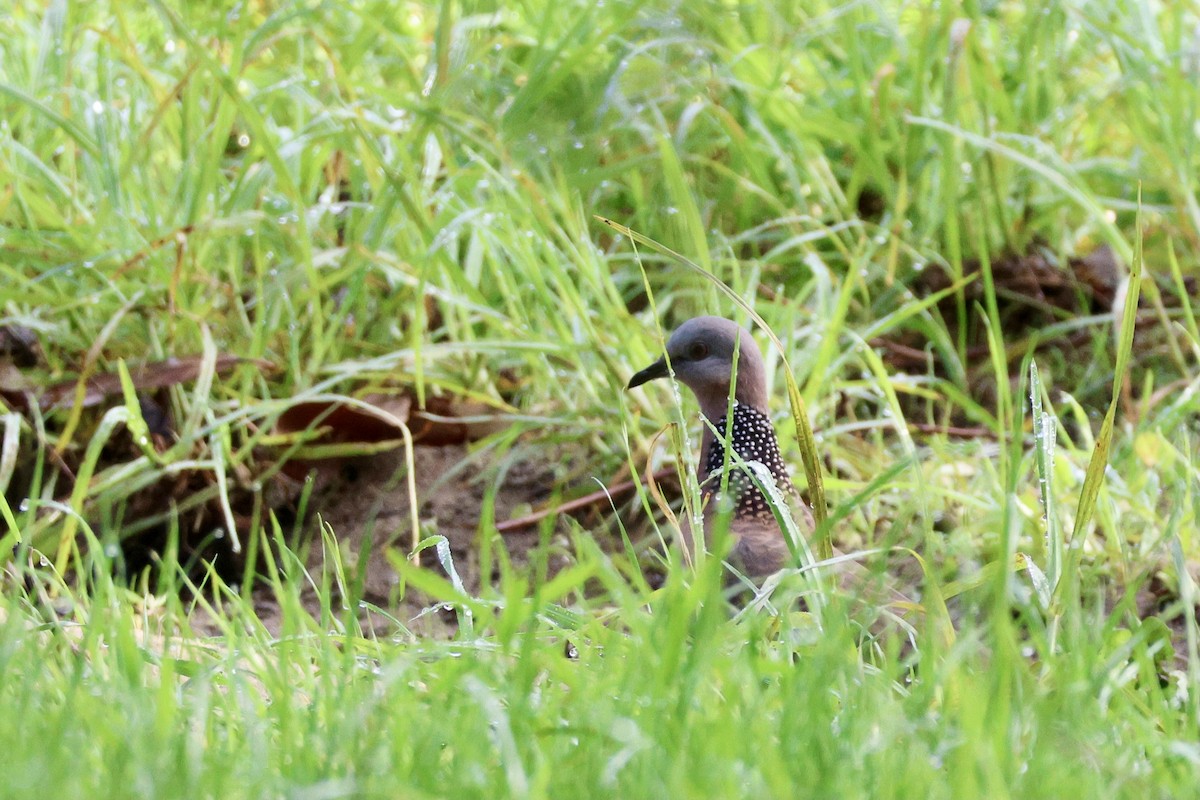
[378,197]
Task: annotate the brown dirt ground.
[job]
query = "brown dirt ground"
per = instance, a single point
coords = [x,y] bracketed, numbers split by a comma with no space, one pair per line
[365,501]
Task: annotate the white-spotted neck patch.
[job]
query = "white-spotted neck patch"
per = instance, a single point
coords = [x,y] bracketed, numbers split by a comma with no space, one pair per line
[753,439]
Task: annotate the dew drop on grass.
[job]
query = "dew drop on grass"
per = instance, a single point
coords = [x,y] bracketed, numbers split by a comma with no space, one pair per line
[169,46]
[97,107]
[111,550]
[24,506]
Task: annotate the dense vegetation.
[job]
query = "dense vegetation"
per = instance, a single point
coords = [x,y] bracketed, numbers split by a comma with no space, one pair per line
[973,227]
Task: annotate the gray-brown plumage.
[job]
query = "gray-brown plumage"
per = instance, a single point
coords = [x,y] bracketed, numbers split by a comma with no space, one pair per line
[701,354]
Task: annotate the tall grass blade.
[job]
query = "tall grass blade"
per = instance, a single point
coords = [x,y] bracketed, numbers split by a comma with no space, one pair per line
[1094,477]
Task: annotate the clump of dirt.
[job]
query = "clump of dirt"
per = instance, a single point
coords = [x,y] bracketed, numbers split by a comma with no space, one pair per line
[1035,291]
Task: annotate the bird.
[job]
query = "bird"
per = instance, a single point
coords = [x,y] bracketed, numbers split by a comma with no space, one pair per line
[700,354]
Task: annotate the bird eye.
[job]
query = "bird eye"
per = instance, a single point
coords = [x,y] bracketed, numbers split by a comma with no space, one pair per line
[698,351]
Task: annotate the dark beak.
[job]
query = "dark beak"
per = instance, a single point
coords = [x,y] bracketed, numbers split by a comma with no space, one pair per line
[656,370]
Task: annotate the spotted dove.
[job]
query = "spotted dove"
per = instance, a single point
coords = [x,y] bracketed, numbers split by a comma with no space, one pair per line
[701,354]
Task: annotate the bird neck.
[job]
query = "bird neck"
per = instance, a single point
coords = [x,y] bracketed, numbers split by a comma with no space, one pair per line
[753,439]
